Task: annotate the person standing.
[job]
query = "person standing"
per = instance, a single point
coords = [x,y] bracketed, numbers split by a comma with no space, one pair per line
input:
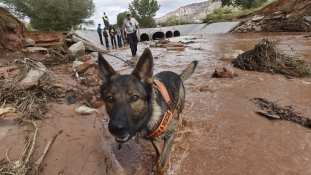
[131,26]
[105,33]
[119,36]
[112,33]
[99,31]
[105,19]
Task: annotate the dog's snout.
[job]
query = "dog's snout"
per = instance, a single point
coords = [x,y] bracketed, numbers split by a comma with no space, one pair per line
[117,129]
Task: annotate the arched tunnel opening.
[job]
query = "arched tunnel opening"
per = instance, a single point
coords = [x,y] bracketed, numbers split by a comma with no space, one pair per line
[169,34]
[176,33]
[144,37]
[157,35]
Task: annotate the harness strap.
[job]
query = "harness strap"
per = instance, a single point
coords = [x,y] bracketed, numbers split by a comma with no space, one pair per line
[168,115]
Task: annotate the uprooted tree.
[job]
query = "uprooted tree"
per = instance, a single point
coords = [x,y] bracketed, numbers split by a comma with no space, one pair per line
[53,15]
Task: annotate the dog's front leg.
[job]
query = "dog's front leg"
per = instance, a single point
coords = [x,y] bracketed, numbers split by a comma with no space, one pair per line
[162,160]
[157,148]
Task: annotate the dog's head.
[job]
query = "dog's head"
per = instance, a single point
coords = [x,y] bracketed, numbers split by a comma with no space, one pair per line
[127,97]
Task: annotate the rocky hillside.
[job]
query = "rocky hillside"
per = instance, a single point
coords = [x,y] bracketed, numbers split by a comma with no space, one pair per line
[280,16]
[191,12]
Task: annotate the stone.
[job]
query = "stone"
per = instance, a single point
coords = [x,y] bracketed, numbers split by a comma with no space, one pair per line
[277,16]
[98,104]
[34,74]
[34,49]
[224,72]
[94,56]
[257,18]
[76,50]
[204,88]
[29,42]
[76,64]
[308,18]
[85,66]
[85,110]
[258,28]
[59,88]
[277,13]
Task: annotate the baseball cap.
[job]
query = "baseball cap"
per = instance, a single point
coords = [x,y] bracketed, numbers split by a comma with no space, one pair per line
[128,13]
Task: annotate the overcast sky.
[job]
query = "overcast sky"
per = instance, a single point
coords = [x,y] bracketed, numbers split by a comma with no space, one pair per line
[114,7]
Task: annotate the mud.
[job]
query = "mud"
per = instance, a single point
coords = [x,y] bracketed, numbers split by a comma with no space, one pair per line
[222,135]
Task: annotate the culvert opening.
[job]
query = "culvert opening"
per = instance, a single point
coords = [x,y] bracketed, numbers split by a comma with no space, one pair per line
[157,35]
[176,33]
[144,37]
[169,34]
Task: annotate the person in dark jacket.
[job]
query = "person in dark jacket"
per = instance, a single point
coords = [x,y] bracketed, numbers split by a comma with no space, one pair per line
[105,33]
[99,31]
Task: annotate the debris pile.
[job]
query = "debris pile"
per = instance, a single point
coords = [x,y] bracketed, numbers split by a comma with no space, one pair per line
[271,110]
[266,57]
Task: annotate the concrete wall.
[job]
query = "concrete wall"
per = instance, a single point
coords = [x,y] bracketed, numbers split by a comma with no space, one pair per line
[149,34]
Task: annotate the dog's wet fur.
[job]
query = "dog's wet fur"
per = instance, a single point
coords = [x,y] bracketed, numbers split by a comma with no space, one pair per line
[135,106]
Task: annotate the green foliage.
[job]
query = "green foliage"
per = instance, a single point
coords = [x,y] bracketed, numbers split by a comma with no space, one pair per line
[171,21]
[53,15]
[120,18]
[144,11]
[245,4]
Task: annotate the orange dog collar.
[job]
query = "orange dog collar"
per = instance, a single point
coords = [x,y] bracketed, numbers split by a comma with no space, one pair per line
[168,115]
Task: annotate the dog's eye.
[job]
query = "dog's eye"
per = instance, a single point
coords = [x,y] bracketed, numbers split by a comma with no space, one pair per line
[134,98]
[110,99]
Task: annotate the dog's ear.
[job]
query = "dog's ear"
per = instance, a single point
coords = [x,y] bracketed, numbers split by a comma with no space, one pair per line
[144,67]
[105,71]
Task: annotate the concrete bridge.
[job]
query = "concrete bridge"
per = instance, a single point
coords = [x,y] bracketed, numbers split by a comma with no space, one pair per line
[149,34]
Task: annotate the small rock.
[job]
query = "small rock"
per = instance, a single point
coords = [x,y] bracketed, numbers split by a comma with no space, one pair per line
[308,18]
[258,28]
[76,50]
[76,64]
[29,42]
[257,18]
[277,13]
[85,110]
[224,72]
[85,66]
[277,16]
[59,88]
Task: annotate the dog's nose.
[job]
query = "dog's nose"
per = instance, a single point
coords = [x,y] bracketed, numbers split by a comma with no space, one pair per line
[117,129]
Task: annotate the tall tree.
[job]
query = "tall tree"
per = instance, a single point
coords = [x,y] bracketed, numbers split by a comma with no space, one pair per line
[120,18]
[53,15]
[245,4]
[144,11]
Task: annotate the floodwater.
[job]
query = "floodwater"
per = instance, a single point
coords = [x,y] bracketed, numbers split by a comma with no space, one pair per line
[222,134]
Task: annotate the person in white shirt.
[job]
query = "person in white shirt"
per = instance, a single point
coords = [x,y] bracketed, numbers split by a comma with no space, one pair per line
[131,26]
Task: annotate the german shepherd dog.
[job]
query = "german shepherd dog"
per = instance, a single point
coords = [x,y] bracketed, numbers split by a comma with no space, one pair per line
[135,106]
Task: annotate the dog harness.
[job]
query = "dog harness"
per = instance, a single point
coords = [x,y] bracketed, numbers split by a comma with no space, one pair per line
[168,115]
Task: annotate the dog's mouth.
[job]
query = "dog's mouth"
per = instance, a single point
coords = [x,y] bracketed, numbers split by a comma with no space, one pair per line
[123,139]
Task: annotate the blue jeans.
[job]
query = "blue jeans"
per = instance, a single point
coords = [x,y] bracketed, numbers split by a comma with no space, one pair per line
[119,40]
[107,42]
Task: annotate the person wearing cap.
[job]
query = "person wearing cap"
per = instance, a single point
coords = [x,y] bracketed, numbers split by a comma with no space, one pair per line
[105,19]
[99,31]
[130,27]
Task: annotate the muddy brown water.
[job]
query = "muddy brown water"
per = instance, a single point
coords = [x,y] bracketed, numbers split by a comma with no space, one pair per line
[222,135]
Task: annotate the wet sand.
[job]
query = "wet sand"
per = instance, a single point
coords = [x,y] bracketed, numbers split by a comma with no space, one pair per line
[223,134]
